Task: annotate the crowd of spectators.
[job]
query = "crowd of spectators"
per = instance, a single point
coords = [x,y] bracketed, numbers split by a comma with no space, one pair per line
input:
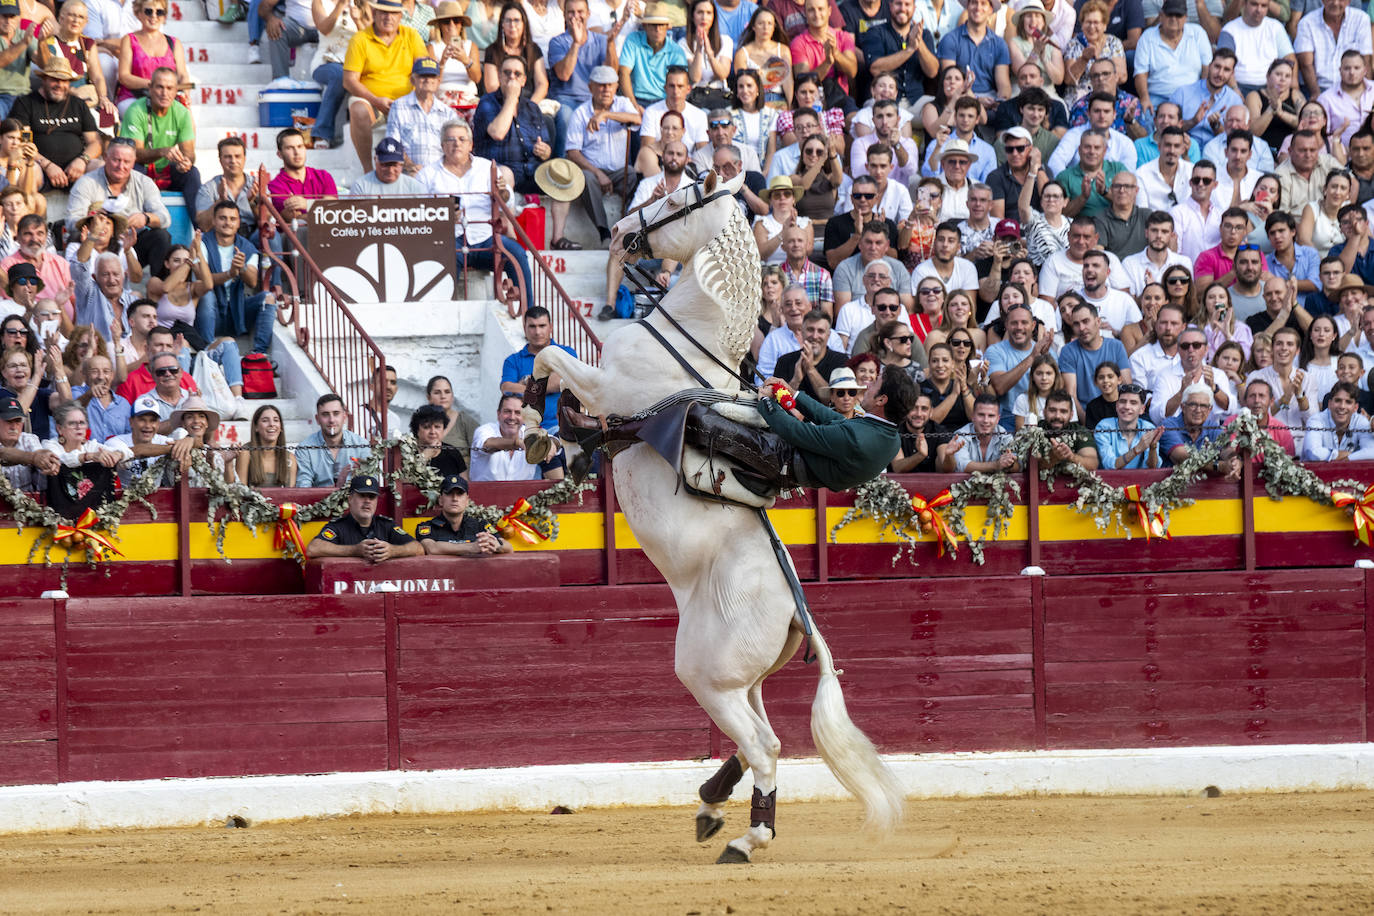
[1122,222]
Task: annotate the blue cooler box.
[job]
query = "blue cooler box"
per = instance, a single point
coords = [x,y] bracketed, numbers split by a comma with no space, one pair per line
[277,107]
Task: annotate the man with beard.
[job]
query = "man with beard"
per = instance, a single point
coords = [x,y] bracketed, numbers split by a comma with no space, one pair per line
[1062,272]
[1164,179]
[651,189]
[1070,441]
[1250,294]
[1218,263]
[362,533]
[50,267]
[1115,309]
[921,439]
[808,368]
[1160,358]
[1009,360]
[64,130]
[454,533]
[1148,265]
[1170,388]
[324,456]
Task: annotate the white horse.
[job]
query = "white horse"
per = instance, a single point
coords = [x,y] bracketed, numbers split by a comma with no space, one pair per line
[737,621]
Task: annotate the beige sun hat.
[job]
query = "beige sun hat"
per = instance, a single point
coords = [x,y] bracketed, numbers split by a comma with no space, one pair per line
[561,179]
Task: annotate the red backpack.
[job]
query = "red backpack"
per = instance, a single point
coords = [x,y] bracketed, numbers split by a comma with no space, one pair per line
[257,377]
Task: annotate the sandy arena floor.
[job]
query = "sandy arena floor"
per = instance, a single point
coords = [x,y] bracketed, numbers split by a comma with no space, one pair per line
[1250,855]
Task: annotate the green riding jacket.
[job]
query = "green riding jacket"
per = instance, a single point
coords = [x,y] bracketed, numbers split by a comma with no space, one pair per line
[839,452]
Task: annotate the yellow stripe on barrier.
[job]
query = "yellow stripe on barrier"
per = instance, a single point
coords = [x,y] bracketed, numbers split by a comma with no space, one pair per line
[1297,514]
[1208,517]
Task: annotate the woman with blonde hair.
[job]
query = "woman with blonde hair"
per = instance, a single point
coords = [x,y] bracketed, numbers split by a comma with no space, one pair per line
[1092,43]
[267,462]
[959,313]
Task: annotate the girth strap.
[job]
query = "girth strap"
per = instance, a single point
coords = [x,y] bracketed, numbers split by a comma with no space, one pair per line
[798,595]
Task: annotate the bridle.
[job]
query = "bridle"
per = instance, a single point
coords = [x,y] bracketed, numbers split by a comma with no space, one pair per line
[637,242]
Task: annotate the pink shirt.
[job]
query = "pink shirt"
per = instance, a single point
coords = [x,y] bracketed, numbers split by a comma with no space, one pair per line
[807,50]
[1214,263]
[318,183]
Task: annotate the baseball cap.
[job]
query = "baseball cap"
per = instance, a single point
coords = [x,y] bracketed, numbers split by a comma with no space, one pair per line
[391,150]
[9,9]
[602,74]
[1007,229]
[453,482]
[1174,8]
[364,483]
[424,66]
[1018,132]
[11,409]
[143,406]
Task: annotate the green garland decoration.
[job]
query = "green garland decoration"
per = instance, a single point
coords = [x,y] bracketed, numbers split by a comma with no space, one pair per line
[237,502]
[888,503]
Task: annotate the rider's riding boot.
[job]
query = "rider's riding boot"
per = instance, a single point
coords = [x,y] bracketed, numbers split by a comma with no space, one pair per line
[768,460]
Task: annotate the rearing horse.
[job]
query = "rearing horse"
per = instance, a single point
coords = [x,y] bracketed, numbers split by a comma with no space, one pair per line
[737,620]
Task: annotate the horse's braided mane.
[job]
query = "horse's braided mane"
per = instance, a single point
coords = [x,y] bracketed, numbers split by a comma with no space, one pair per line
[729,270]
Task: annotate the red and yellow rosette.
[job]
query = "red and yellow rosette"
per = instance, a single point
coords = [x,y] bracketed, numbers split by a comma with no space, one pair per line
[288,531]
[513,526]
[81,535]
[1362,507]
[1152,524]
[928,514]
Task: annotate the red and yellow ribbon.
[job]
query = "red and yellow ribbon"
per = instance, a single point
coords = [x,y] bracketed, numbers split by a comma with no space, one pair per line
[513,526]
[82,536]
[928,514]
[288,531]
[1152,525]
[1363,509]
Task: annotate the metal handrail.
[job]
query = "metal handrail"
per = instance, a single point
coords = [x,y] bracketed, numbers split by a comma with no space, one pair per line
[330,335]
[569,327]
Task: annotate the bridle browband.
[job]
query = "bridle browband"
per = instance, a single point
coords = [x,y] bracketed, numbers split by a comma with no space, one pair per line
[637,242]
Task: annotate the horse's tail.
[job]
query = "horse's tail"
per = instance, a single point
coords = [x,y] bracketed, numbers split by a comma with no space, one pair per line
[847,751]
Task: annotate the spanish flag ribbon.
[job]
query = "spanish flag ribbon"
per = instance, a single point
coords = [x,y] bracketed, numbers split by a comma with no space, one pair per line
[1363,509]
[288,531]
[82,535]
[1152,524]
[513,526]
[928,513]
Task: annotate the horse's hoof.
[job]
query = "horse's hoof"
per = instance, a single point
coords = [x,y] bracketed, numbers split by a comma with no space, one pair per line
[580,467]
[538,446]
[708,826]
[732,856]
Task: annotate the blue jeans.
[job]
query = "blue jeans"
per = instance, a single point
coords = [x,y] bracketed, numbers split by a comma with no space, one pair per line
[258,314]
[254,23]
[480,257]
[562,122]
[225,353]
[330,77]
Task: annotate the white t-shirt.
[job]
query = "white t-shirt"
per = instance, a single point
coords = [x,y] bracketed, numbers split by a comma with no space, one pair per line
[1115,308]
[708,76]
[693,118]
[473,191]
[1256,48]
[855,315]
[501,465]
[1059,275]
[1141,271]
[963,276]
[771,227]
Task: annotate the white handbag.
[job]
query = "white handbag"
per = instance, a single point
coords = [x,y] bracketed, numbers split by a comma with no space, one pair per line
[209,378]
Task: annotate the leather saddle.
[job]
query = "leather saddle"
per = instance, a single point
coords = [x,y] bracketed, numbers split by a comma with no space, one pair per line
[715,457]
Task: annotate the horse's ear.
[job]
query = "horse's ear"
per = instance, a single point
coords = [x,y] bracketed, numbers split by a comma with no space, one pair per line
[710,181]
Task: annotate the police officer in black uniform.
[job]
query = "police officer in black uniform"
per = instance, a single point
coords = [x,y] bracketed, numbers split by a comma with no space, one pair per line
[362,532]
[452,533]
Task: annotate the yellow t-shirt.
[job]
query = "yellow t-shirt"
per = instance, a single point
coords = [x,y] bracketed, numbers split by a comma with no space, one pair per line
[384,69]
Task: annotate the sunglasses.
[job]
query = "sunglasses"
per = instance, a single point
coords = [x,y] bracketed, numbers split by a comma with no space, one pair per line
[1200,181]
[1192,345]
[18,332]
[859,195]
[1017,149]
[961,343]
[888,308]
[930,291]
[1182,281]
[166,371]
[1246,247]
[27,281]
[721,123]
[153,12]
[844,393]
[904,339]
[1131,388]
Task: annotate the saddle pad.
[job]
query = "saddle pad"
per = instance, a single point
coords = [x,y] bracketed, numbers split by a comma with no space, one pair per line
[713,478]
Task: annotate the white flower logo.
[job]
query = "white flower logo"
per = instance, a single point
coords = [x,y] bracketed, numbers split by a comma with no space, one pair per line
[383,274]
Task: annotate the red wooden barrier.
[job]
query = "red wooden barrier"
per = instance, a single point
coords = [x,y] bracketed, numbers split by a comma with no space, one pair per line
[173,687]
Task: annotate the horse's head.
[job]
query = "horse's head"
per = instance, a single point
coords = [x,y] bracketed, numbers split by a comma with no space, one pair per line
[679,224]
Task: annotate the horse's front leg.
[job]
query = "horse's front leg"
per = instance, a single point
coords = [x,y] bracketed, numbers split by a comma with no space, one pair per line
[582,379]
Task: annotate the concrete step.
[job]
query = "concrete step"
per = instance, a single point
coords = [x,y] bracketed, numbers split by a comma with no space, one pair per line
[194,33]
[228,47]
[248,76]
[180,11]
